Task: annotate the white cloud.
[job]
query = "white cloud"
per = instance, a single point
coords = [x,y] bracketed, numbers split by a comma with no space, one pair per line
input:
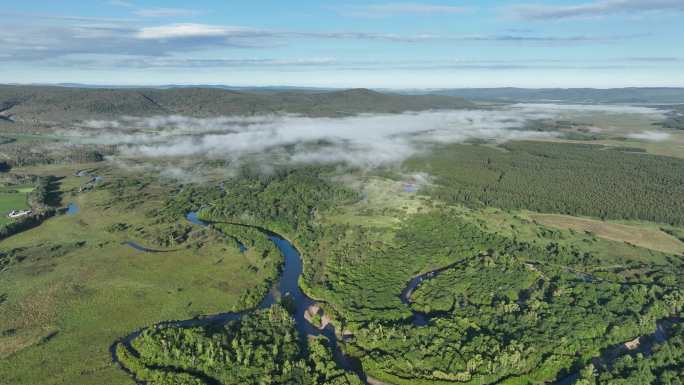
[594,9]
[612,109]
[155,12]
[111,39]
[164,62]
[365,140]
[121,3]
[651,136]
[415,8]
[167,12]
[181,31]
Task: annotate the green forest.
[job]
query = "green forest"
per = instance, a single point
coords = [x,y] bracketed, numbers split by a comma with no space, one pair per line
[574,179]
[675,118]
[492,313]
[285,201]
[662,366]
[260,348]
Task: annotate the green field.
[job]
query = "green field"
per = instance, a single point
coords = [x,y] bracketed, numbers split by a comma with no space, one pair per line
[516,275]
[640,234]
[70,287]
[360,255]
[12,198]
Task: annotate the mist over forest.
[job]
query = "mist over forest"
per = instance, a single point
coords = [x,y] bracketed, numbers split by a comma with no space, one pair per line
[366,140]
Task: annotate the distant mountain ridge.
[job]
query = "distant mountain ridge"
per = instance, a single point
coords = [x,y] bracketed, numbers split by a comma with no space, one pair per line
[26,104]
[632,95]
[670,95]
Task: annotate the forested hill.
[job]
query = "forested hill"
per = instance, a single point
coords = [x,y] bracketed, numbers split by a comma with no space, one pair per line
[60,104]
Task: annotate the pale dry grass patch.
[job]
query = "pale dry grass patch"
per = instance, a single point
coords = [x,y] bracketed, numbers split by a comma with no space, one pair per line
[642,236]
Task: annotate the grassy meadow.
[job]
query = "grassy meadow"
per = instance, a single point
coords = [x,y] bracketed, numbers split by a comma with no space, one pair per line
[615,130]
[73,286]
[12,198]
[644,235]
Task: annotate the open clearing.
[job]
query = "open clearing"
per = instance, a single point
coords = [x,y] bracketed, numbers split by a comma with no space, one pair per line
[642,236]
[614,131]
[12,198]
[384,203]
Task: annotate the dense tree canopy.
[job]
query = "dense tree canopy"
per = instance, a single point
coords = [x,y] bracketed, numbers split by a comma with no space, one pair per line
[497,301]
[260,348]
[574,179]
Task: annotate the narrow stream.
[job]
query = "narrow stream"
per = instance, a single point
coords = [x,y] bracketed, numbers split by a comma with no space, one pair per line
[418,318]
[192,218]
[144,249]
[612,353]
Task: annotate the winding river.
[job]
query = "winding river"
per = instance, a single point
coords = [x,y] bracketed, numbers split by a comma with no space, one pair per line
[418,318]
[609,355]
[288,285]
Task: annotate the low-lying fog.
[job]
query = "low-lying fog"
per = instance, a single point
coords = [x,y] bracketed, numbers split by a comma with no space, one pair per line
[365,140]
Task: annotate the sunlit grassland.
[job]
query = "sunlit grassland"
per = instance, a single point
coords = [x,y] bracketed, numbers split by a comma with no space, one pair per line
[12,198]
[79,287]
[614,131]
[385,203]
[527,226]
[673,146]
[611,122]
[642,234]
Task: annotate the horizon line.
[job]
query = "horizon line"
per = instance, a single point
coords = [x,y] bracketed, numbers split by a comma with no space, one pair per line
[322,88]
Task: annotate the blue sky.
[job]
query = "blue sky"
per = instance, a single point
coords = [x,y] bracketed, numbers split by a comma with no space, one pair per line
[378,44]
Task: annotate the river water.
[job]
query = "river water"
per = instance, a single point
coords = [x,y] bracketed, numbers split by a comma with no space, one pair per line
[418,318]
[288,285]
[72,209]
